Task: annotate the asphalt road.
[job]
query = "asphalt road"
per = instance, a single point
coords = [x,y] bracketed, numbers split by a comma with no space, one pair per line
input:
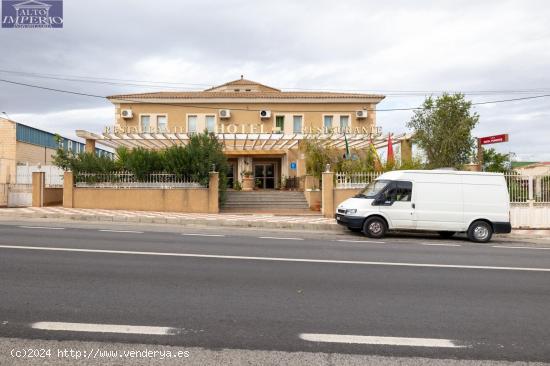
[281,291]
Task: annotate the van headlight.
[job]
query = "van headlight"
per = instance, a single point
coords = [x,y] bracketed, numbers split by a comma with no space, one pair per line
[351,211]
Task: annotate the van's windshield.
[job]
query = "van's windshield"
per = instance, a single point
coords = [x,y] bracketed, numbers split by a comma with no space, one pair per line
[373,188]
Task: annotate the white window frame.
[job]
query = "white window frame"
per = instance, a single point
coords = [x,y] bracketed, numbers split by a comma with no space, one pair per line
[141,124]
[196,123]
[157,122]
[340,122]
[275,122]
[332,123]
[215,122]
[303,122]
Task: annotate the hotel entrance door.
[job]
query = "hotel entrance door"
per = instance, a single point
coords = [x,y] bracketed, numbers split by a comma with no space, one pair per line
[264,175]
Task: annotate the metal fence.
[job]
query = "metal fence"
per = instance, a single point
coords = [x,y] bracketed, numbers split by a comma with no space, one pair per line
[125,180]
[53,175]
[355,180]
[521,188]
[524,188]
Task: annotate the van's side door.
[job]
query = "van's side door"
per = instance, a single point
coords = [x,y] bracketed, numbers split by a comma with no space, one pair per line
[439,205]
[397,205]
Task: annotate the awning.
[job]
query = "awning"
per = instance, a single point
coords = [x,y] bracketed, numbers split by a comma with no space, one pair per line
[239,141]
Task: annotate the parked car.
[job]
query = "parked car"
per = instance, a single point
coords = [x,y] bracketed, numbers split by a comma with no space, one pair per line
[434,200]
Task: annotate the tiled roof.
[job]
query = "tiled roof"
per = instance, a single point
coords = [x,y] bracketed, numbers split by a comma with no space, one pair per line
[244,94]
[257,91]
[243,82]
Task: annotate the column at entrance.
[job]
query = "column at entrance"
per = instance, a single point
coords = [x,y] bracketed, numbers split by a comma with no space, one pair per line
[244,164]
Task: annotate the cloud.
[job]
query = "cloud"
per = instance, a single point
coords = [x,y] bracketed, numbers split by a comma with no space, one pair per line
[361,45]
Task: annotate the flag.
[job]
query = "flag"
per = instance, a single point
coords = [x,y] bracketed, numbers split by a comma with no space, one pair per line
[391,158]
[347,146]
[374,152]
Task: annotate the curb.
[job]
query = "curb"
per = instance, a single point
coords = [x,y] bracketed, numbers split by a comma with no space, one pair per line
[176,221]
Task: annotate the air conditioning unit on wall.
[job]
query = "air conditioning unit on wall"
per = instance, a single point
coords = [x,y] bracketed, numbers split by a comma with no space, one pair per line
[265,114]
[361,114]
[224,113]
[126,113]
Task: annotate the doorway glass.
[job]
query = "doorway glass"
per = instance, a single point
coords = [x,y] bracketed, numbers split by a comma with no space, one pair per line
[264,176]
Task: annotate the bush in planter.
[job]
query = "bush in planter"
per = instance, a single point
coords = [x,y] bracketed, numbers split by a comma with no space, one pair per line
[194,160]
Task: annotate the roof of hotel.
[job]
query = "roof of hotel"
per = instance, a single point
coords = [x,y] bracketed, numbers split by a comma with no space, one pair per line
[242,88]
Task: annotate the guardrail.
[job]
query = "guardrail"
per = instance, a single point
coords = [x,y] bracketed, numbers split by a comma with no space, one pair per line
[125,180]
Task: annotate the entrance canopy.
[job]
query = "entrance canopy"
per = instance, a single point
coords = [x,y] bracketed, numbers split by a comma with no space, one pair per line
[267,142]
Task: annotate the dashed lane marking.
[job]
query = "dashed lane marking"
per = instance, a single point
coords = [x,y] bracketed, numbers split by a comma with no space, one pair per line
[103,328]
[122,231]
[278,238]
[42,227]
[389,341]
[209,235]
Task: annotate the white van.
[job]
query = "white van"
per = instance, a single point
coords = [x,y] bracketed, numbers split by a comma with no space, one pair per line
[437,200]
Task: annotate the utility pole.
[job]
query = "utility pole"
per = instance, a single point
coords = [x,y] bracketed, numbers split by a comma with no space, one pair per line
[479,154]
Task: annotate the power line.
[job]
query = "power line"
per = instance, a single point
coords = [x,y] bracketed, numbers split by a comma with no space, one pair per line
[91,78]
[194,86]
[244,109]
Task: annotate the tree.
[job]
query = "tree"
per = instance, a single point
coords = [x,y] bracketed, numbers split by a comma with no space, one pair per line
[495,162]
[443,129]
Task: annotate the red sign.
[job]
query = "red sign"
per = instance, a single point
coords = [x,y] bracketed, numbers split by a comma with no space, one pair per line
[493,139]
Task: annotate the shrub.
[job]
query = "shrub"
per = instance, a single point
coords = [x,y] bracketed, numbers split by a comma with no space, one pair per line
[194,160]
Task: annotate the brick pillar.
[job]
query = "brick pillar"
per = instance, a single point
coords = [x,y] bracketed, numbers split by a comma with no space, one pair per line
[38,184]
[90,146]
[327,194]
[68,189]
[213,192]
[406,150]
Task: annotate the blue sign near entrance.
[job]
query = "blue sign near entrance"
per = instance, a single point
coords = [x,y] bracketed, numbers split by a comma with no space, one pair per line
[293,165]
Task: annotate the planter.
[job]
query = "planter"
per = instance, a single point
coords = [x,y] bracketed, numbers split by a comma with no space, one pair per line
[248,183]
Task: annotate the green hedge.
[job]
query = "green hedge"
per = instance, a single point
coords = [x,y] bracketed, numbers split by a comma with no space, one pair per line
[194,160]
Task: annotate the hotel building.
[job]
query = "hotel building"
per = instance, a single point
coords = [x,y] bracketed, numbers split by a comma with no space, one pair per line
[261,127]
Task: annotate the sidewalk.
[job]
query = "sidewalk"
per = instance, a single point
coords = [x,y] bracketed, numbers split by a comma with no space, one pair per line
[268,221]
[310,222]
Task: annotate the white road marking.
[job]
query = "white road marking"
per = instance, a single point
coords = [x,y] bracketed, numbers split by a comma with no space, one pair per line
[42,227]
[390,341]
[442,244]
[103,328]
[203,234]
[361,241]
[275,259]
[510,247]
[277,238]
[121,231]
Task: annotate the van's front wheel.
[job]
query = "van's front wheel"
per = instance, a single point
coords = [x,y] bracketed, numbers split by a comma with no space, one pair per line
[375,227]
[480,232]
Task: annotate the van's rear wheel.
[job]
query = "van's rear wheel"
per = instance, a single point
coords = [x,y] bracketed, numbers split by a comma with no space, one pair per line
[480,232]
[375,227]
[446,234]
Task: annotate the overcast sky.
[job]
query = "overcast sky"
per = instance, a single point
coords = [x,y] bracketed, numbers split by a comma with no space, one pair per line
[378,46]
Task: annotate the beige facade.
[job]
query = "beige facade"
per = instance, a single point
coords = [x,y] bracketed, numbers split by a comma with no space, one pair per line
[247,116]
[542,168]
[15,152]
